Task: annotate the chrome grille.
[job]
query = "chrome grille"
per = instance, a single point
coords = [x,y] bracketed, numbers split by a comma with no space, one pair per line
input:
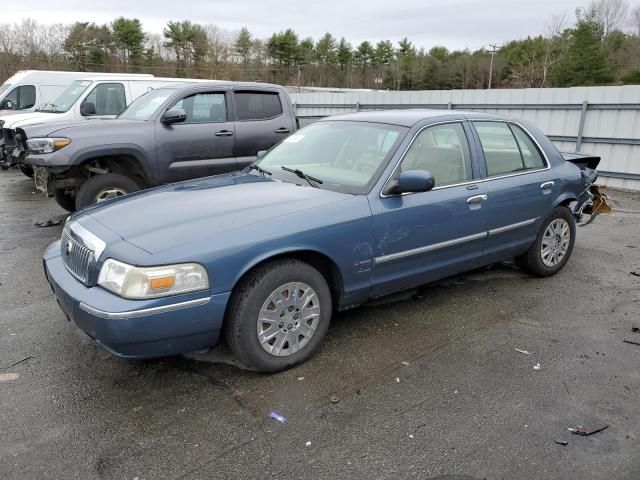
[77,257]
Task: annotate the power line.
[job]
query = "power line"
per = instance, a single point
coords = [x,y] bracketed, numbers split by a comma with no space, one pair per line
[492,52]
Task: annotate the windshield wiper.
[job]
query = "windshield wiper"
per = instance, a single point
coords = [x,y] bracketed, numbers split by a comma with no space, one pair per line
[313,181]
[259,169]
[53,106]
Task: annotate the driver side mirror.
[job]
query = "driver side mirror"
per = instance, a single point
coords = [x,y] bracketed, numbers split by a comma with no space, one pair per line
[411,181]
[174,115]
[87,109]
[6,104]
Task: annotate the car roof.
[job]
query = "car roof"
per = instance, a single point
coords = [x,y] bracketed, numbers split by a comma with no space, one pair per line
[408,117]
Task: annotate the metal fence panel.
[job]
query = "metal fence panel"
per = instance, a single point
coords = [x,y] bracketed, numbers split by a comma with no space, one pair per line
[600,120]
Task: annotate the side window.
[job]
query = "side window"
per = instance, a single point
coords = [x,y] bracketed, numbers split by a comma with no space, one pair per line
[204,107]
[257,105]
[22,97]
[442,150]
[507,148]
[530,153]
[107,98]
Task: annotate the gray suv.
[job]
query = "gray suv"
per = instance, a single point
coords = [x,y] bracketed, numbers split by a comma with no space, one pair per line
[169,134]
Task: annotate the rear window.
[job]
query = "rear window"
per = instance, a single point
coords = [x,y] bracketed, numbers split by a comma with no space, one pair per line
[257,105]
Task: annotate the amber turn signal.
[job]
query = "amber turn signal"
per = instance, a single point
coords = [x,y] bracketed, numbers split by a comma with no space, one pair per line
[159,283]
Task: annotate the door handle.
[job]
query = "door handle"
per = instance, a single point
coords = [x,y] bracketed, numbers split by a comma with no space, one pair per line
[224,133]
[476,199]
[547,185]
[282,130]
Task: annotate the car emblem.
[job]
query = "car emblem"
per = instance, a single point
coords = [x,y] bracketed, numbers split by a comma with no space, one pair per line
[69,247]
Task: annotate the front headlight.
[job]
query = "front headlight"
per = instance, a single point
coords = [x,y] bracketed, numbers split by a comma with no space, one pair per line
[152,282]
[46,145]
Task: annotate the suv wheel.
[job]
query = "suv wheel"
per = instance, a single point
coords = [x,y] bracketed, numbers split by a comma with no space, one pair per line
[278,315]
[553,246]
[65,200]
[26,170]
[104,187]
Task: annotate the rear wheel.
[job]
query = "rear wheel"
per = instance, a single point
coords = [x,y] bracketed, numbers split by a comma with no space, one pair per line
[553,246]
[65,200]
[104,187]
[27,170]
[278,315]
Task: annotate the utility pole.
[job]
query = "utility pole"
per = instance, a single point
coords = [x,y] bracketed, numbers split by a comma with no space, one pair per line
[492,52]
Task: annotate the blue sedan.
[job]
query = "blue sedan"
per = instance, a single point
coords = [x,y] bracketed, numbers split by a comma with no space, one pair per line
[350,208]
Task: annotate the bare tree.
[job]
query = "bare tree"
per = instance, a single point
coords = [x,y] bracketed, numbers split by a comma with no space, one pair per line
[634,20]
[555,32]
[611,15]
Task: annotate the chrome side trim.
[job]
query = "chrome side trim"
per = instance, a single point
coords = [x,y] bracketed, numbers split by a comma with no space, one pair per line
[145,311]
[429,248]
[513,226]
[450,243]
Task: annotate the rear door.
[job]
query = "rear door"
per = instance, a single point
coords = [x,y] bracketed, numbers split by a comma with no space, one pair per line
[262,120]
[203,144]
[519,185]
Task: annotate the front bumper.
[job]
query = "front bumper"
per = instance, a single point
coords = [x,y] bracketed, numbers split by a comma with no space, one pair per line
[136,328]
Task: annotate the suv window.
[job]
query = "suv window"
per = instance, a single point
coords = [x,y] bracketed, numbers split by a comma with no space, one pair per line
[204,107]
[108,98]
[257,105]
[507,148]
[22,97]
[442,150]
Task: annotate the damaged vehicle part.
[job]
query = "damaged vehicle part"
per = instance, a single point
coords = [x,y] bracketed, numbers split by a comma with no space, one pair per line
[591,201]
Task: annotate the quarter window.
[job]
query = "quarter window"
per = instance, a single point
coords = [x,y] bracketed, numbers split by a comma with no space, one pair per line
[108,98]
[257,105]
[507,148]
[443,151]
[22,97]
[204,107]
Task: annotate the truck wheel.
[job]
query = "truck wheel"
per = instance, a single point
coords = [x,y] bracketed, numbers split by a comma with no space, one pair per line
[27,170]
[278,315]
[104,187]
[553,246]
[65,200]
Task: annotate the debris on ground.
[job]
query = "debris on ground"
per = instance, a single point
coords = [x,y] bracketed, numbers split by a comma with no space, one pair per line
[523,351]
[631,342]
[635,329]
[300,379]
[561,442]
[635,274]
[397,380]
[48,223]
[334,399]
[277,416]
[20,361]
[579,430]
[537,366]
[406,364]
[308,444]
[7,377]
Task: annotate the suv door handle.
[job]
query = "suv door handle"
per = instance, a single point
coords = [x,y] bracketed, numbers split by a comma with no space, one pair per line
[224,133]
[282,130]
[476,199]
[547,185]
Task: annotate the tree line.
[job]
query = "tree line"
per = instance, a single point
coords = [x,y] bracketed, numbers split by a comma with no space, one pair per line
[600,46]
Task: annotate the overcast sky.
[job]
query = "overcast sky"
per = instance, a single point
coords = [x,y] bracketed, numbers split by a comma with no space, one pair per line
[454,23]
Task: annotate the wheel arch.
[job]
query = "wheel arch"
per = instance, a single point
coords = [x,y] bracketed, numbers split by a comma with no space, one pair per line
[567,199]
[128,160]
[322,262]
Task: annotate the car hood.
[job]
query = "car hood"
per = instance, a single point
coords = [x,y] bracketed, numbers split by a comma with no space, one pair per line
[71,128]
[20,119]
[169,216]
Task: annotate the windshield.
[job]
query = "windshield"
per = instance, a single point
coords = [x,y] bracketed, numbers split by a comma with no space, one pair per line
[4,87]
[67,98]
[345,156]
[144,107]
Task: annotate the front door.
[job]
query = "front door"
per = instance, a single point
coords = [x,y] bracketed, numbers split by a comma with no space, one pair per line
[420,237]
[202,145]
[519,188]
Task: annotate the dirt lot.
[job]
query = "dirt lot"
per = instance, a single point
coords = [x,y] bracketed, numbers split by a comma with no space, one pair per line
[425,387]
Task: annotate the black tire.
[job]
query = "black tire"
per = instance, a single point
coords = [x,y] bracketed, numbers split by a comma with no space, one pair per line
[26,170]
[247,300]
[531,261]
[94,186]
[66,201]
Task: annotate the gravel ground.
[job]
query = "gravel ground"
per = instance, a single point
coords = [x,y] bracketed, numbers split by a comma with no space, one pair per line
[426,386]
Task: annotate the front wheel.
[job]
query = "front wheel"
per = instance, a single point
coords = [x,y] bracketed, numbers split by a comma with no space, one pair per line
[278,315]
[553,246]
[65,200]
[104,187]
[26,170]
